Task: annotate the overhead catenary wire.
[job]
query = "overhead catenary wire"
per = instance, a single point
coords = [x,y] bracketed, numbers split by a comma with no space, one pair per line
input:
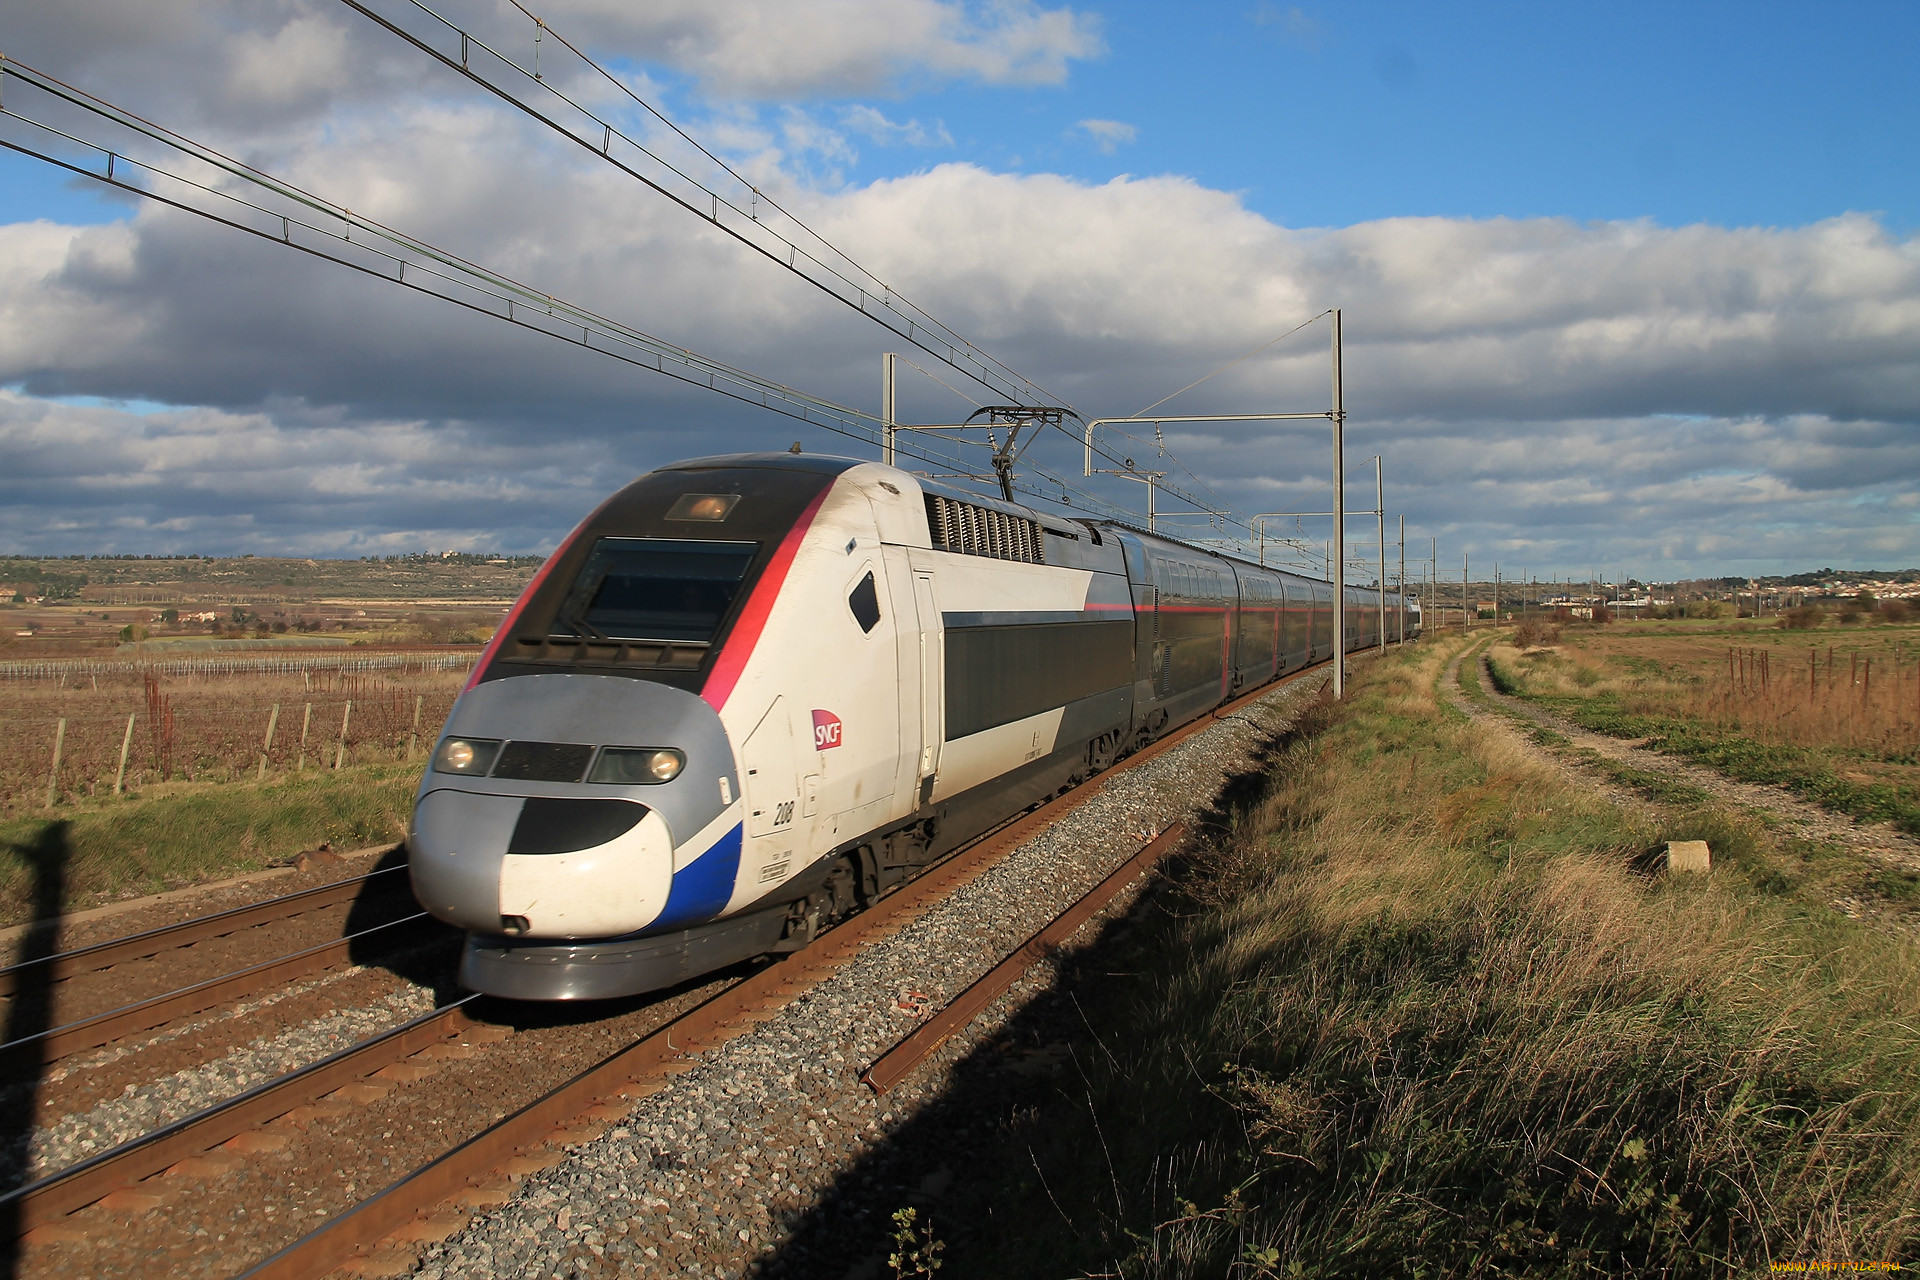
[386,254]
[1229,364]
[817,260]
[800,250]
[942,381]
[1159,441]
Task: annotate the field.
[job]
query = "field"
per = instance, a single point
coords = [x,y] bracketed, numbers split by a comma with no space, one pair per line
[207,793]
[299,715]
[1419,1006]
[1833,712]
[148,608]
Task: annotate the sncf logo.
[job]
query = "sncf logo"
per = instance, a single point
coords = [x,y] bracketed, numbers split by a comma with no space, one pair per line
[826,730]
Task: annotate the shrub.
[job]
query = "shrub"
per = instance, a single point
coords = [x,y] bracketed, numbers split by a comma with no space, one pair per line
[1535,633]
[1804,618]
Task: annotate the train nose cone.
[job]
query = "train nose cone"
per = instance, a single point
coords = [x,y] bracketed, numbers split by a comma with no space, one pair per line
[571,868]
[525,850]
[455,848]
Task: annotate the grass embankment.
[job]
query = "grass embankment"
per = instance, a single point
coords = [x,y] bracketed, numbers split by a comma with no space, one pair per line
[1793,713]
[187,833]
[1415,1012]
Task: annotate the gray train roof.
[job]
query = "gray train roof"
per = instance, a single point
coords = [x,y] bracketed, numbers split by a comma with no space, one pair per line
[832,464]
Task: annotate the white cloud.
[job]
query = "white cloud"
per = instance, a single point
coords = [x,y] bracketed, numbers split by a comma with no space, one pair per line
[1539,386]
[286,479]
[261,67]
[1108,134]
[1293,24]
[774,48]
[873,124]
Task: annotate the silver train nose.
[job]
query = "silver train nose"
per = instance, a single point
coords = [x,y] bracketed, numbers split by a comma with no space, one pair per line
[548,817]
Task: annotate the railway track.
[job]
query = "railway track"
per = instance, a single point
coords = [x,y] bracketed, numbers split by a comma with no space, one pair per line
[66,965]
[681,1028]
[649,1064]
[397,925]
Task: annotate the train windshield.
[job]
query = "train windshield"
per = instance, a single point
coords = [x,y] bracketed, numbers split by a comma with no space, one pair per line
[654,589]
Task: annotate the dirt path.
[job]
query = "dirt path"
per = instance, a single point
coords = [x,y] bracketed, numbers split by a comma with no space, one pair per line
[1785,812]
[1625,797]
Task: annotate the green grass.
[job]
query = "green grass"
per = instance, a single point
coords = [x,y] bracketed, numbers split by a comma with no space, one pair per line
[185,834]
[1420,1010]
[1801,770]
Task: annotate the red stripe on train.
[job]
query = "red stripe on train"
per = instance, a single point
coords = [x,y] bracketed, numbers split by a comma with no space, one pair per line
[753,619]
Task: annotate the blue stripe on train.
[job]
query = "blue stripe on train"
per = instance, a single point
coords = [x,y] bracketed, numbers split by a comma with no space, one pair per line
[702,888]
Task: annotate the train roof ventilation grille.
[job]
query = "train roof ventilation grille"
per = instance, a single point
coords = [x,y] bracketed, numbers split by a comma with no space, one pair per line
[980,531]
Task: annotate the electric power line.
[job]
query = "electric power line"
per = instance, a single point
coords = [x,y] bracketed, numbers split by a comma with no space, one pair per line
[792,244]
[319,228]
[807,253]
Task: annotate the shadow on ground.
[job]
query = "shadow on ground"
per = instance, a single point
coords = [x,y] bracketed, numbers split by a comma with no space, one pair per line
[30,1013]
[963,1163]
[425,954]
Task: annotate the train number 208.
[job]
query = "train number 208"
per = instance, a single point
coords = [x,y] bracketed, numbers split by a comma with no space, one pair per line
[783,813]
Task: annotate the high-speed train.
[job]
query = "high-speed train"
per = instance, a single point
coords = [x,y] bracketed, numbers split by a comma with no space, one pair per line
[750,693]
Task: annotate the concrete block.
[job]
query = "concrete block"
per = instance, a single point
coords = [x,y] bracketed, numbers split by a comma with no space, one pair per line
[384,1264]
[52,1233]
[315,1113]
[210,1165]
[1688,855]
[571,1135]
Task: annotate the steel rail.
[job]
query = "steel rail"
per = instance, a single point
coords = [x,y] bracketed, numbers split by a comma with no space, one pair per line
[51,1198]
[644,1066]
[144,1015]
[138,946]
[896,1063]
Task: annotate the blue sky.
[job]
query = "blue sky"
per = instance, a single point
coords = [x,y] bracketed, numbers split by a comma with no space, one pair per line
[1625,282]
[1318,115]
[1321,115]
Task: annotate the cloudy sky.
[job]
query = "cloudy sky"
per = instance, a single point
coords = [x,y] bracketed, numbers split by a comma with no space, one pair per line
[1627,287]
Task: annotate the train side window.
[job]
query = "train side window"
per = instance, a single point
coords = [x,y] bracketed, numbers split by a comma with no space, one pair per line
[865,603]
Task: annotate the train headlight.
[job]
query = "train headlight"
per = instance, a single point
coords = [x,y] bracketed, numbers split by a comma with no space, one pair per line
[466,755]
[629,766]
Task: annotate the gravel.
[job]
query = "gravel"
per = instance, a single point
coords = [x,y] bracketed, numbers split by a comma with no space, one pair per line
[709,1177]
[140,1109]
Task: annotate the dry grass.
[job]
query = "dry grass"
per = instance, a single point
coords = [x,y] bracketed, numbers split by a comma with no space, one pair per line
[1797,696]
[206,729]
[1839,725]
[183,833]
[1420,1014]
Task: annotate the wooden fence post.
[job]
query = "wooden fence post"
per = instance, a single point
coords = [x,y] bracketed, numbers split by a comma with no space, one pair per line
[53,777]
[305,721]
[273,721]
[346,717]
[126,745]
[413,736]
